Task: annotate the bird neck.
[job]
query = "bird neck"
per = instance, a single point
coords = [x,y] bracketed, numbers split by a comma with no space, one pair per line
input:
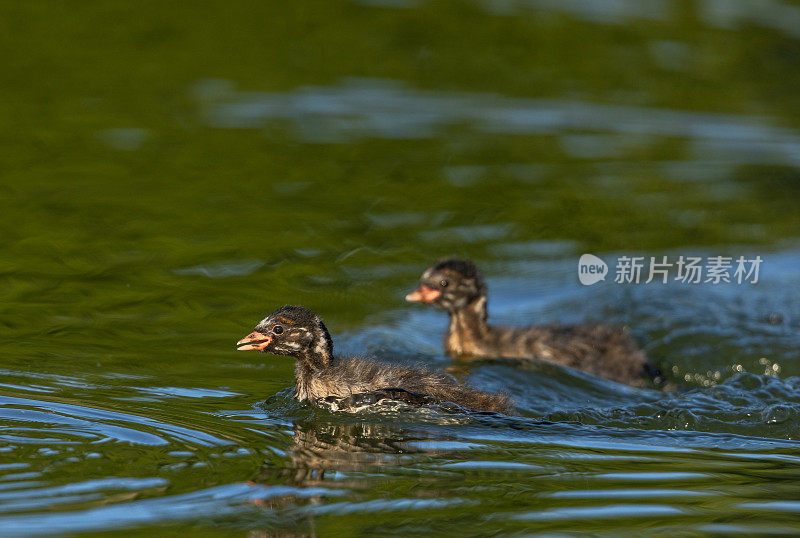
[468,327]
[311,363]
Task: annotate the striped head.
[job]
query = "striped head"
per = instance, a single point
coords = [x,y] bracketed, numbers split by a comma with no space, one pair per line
[450,284]
[294,331]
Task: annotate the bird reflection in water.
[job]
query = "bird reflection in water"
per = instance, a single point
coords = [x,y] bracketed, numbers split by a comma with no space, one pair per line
[323,447]
[322,454]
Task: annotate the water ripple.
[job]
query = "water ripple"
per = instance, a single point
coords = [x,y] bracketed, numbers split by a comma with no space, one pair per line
[361,108]
[216,501]
[88,422]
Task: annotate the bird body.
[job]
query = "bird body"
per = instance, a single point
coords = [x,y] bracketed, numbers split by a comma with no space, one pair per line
[298,332]
[602,350]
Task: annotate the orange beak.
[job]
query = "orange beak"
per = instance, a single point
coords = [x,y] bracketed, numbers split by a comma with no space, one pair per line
[254,341]
[423,294]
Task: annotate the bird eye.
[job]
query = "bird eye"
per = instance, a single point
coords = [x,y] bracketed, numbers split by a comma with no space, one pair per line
[277,329]
[443,283]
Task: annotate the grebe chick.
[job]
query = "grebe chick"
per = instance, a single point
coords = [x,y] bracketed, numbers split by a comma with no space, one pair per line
[602,350]
[298,332]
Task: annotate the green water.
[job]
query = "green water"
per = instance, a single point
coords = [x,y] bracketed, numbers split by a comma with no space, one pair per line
[171,173]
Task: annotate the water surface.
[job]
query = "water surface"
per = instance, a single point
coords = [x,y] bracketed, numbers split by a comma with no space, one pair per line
[172,173]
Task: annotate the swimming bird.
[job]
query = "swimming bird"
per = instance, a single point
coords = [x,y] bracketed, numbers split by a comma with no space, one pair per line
[300,333]
[458,287]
